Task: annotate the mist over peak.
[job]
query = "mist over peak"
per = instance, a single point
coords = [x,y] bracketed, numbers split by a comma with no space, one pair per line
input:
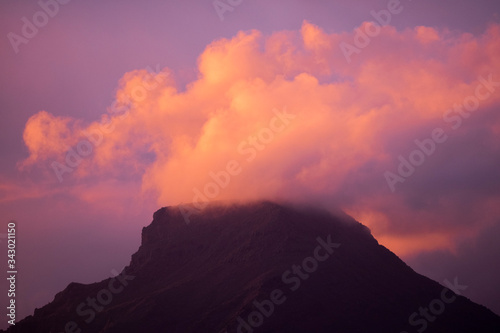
[255,266]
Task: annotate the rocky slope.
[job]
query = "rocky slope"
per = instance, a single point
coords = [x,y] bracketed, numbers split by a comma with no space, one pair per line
[260,267]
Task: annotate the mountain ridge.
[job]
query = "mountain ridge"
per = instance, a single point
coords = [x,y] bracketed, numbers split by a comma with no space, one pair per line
[219,270]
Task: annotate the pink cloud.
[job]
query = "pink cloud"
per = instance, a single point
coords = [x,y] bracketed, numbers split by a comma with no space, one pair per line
[347,124]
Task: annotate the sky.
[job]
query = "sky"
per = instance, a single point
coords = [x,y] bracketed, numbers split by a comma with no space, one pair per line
[387,110]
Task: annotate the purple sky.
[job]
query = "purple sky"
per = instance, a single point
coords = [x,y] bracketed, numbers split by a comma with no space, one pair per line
[72,68]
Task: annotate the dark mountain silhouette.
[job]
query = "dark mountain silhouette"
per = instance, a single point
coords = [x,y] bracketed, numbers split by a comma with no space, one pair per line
[260,267]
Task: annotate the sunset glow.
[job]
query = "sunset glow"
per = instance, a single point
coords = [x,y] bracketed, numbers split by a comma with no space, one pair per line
[401,132]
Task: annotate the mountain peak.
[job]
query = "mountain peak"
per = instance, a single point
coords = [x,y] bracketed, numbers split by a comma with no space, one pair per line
[263,267]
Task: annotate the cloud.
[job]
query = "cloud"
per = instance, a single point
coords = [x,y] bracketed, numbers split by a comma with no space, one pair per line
[347,125]
[46,136]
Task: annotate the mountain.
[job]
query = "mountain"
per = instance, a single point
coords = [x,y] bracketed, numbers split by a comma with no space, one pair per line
[261,267]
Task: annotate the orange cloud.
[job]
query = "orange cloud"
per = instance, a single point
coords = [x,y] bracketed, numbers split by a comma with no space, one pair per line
[46,135]
[285,116]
